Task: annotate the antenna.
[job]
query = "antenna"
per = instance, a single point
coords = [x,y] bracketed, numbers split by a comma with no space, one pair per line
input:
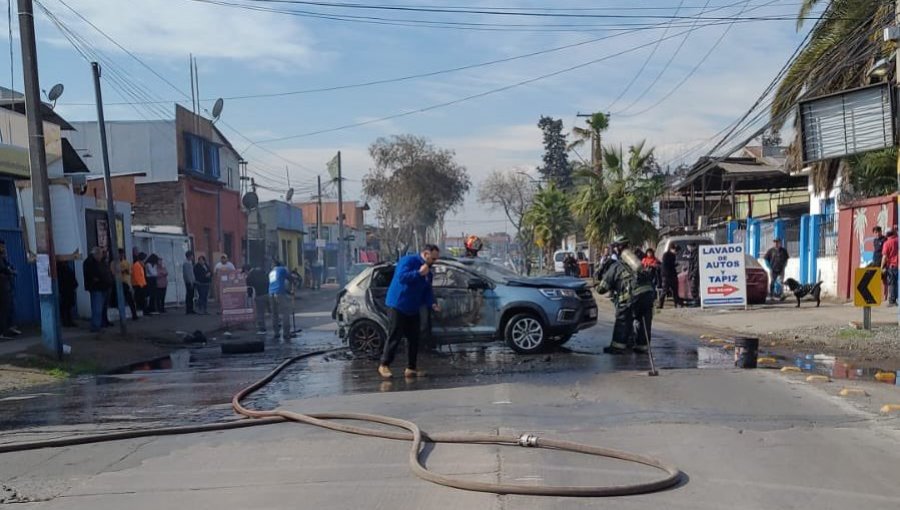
[217,109]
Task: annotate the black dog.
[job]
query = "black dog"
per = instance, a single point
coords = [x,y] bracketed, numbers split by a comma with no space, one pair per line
[802,290]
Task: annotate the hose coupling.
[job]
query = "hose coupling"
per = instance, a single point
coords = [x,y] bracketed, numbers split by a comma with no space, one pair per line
[528,440]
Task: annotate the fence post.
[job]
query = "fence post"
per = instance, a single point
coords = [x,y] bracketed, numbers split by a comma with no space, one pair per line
[804,247]
[778,231]
[753,237]
[731,228]
[815,226]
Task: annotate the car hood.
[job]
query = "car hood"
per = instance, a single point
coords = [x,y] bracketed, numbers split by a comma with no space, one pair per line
[548,282]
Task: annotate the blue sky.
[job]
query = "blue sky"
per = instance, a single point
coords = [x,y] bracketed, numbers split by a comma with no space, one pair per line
[243,52]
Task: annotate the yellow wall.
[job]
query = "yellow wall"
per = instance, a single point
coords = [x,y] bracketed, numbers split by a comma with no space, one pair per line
[291,259]
[766,204]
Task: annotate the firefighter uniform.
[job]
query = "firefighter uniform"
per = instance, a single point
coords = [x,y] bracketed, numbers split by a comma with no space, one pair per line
[633,295]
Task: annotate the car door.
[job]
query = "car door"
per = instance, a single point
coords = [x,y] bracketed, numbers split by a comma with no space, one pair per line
[467,314]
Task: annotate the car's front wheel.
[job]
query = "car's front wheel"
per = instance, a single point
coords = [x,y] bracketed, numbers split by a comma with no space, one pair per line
[526,334]
[366,337]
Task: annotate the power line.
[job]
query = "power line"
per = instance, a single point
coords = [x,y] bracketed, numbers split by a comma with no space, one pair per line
[473,96]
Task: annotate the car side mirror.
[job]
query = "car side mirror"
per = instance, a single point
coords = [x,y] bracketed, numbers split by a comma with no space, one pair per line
[477,284]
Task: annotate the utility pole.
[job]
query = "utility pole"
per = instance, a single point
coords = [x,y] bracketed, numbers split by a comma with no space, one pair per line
[40,185]
[319,252]
[341,245]
[111,224]
[260,228]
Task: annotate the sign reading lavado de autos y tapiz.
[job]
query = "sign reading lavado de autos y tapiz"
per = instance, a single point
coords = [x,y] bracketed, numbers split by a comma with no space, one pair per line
[723,277]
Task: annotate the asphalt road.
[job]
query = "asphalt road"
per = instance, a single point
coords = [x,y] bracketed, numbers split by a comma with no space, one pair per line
[746,439]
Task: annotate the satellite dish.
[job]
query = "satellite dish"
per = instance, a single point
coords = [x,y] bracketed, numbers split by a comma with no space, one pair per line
[289,195]
[217,108]
[250,200]
[55,92]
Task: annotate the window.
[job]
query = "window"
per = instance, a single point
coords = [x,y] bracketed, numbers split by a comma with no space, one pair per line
[201,156]
[828,228]
[450,277]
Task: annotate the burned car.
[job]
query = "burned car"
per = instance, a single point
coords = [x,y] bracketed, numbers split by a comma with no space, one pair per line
[479,301]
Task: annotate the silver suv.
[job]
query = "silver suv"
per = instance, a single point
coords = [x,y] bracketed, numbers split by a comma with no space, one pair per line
[479,302]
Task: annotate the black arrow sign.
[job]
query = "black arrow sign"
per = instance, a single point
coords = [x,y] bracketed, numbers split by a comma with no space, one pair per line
[863,288]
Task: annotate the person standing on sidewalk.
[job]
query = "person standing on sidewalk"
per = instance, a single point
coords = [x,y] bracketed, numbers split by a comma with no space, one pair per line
[68,283]
[889,265]
[162,285]
[410,290]
[139,282]
[151,269]
[187,272]
[669,272]
[202,279]
[123,269]
[258,282]
[11,328]
[777,259]
[279,294]
[7,273]
[97,284]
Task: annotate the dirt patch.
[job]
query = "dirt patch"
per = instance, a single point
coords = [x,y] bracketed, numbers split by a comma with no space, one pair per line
[880,345]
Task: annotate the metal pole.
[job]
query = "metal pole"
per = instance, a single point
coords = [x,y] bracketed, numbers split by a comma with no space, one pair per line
[319,252]
[43,217]
[242,164]
[341,246]
[110,205]
[867,318]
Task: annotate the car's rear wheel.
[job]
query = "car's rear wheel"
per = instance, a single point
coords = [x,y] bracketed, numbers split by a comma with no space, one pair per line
[366,337]
[526,334]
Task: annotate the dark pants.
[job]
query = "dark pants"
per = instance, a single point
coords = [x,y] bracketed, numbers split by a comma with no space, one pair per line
[202,297]
[402,325]
[160,293]
[5,303]
[129,300]
[625,334]
[281,315]
[151,295]
[670,285]
[189,298]
[892,285]
[140,298]
[66,304]
[776,286]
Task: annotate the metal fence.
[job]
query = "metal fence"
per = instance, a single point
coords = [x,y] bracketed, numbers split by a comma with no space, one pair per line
[828,238]
[792,236]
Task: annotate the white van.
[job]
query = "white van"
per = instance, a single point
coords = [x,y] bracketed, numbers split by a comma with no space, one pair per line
[558,257]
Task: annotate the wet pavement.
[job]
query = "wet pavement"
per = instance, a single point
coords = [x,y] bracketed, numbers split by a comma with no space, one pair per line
[195,385]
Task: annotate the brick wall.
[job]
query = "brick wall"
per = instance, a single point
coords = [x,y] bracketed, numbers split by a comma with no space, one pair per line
[204,202]
[123,189]
[159,203]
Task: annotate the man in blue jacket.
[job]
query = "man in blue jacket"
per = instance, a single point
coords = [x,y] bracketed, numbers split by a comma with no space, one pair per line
[409,291]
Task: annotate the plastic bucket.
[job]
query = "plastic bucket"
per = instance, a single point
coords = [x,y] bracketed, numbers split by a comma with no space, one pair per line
[746,351]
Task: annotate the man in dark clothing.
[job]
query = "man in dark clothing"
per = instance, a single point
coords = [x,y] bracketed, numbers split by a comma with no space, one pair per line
[409,291]
[258,284]
[633,296]
[694,272]
[97,281]
[7,275]
[670,276]
[68,283]
[187,274]
[877,244]
[777,258]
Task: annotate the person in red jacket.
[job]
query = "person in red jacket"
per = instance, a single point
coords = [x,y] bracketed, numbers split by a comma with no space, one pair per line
[889,264]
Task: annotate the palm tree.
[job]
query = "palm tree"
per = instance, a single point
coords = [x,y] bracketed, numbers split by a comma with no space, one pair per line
[596,125]
[839,52]
[621,200]
[549,219]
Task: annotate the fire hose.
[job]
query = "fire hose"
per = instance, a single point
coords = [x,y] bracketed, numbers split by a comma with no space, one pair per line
[409,432]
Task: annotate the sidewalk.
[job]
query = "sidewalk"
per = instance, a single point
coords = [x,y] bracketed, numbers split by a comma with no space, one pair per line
[25,362]
[833,328]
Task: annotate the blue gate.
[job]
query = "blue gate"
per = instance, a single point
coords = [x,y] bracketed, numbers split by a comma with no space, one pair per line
[25,297]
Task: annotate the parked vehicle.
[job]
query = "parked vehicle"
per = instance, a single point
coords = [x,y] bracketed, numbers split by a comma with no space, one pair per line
[559,258]
[479,302]
[756,274]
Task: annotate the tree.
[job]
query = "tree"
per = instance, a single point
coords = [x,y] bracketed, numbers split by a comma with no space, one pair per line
[509,191]
[837,56]
[872,174]
[597,124]
[556,167]
[621,200]
[415,185]
[549,219]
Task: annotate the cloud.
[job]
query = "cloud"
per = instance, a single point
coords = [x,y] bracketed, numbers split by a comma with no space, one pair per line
[159,28]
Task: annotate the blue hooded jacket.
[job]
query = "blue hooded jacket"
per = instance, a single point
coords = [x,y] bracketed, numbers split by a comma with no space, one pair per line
[409,291]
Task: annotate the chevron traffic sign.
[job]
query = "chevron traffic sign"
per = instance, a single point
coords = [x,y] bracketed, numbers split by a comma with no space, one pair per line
[867,289]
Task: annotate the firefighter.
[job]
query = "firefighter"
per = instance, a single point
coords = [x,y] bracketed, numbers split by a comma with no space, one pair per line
[473,246]
[632,293]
